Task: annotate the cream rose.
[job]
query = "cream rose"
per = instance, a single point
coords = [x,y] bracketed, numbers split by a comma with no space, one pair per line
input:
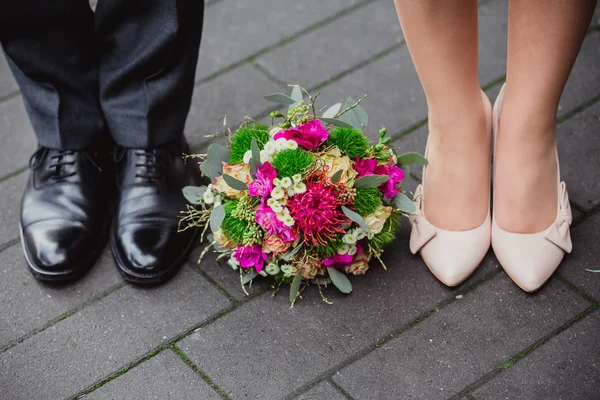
[336,162]
[222,240]
[241,172]
[359,266]
[274,244]
[376,220]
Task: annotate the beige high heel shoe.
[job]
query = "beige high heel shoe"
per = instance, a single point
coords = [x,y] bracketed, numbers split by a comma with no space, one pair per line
[531,259]
[451,256]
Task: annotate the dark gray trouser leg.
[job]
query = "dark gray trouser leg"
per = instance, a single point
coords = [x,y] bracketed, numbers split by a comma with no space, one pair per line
[51,49]
[148,52]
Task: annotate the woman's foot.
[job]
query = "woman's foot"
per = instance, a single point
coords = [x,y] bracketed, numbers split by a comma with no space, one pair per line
[525,200]
[458,174]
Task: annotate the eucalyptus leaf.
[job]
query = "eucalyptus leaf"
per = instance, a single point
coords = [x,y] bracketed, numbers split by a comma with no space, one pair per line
[370,181]
[403,203]
[194,194]
[340,280]
[248,276]
[216,217]
[337,176]
[280,98]
[411,158]
[297,94]
[332,111]
[213,165]
[361,114]
[593,270]
[354,216]
[288,256]
[253,164]
[255,149]
[234,183]
[336,122]
[350,116]
[295,287]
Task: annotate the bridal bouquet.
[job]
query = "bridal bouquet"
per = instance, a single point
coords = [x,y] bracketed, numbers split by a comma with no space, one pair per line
[305,200]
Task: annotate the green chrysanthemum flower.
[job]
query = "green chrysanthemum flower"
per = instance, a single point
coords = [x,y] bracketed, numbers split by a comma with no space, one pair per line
[351,142]
[242,141]
[388,233]
[367,200]
[291,162]
[234,228]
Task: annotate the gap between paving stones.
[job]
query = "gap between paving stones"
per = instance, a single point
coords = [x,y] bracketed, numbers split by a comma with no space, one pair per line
[168,344]
[201,373]
[506,365]
[340,389]
[451,298]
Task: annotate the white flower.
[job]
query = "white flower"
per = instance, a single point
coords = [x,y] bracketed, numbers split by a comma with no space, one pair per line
[275,130]
[270,147]
[276,207]
[265,157]
[291,145]
[271,202]
[263,273]
[208,197]
[277,182]
[218,200]
[272,269]
[299,187]
[352,250]
[287,269]
[209,187]
[349,238]
[288,221]
[281,215]
[280,143]
[277,193]
[286,182]
[233,263]
[360,234]
[290,192]
[297,178]
[344,249]
[247,156]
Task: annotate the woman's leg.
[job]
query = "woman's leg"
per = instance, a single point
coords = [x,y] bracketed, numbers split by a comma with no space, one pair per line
[442,40]
[544,38]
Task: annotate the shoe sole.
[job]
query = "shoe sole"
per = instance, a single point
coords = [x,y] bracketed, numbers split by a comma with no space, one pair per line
[78,271]
[150,279]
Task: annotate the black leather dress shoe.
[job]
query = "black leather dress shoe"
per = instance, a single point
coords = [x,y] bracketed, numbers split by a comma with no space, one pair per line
[64,213]
[144,239]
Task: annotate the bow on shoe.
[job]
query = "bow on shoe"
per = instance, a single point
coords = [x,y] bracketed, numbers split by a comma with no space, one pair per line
[422,231]
[559,233]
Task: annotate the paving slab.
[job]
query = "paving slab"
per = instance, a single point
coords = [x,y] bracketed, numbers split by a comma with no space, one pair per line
[579,152]
[28,304]
[164,376]
[294,346]
[16,135]
[105,336]
[8,85]
[322,391]
[234,30]
[237,94]
[585,255]
[492,49]
[11,191]
[565,367]
[460,343]
[336,47]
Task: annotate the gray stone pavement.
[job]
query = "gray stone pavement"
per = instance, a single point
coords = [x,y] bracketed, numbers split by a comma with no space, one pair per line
[400,335]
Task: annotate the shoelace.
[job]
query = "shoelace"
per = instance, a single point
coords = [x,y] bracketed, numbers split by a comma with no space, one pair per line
[154,164]
[60,161]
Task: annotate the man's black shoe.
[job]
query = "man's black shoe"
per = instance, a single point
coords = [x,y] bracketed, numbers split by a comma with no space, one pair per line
[64,213]
[144,238]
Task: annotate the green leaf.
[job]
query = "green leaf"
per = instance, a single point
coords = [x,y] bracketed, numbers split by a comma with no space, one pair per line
[350,116]
[255,149]
[354,216]
[194,194]
[337,176]
[213,165]
[216,217]
[336,122]
[248,276]
[361,114]
[403,203]
[297,94]
[411,158]
[370,181]
[340,280]
[280,98]
[253,164]
[295,287]
[593,270]
[234,183]
[332,111]
[288,256]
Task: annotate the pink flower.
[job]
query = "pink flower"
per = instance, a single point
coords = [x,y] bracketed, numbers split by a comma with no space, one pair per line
[342,260]
[308,135]
[265,217]
[389,188]
[251,256]
[274,244]
[263,182]
[365,166]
